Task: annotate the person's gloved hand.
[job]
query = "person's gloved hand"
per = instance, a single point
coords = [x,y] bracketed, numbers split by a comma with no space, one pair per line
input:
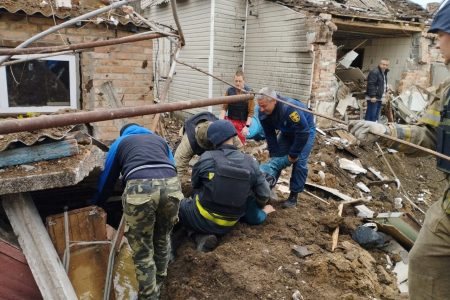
[366,131]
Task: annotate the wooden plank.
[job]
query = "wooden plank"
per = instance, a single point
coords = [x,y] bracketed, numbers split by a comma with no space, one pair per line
[24,155]
[37,247]
[16,279]
[85,224]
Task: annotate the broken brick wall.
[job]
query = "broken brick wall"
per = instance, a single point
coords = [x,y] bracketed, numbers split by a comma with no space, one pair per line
[109,77]
[324,86]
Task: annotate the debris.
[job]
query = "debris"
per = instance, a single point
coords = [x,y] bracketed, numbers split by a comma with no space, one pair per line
[301,251]
[401,226]
[348,58]
[392,151]
[322,177]
[376,173]
[297,295]
[398,203]
[283,189]
[364,212]
[385,182]
[363,187]
[401,270]
[351,166]
[317,197]
[368,237]
[320,131]
[331,191]
[335,236]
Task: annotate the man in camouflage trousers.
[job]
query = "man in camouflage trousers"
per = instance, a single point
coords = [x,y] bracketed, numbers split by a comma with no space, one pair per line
[429,259]
[150,200]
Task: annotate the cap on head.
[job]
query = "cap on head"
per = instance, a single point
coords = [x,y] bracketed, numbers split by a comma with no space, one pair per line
[441,21]
[126,126]
[220,131]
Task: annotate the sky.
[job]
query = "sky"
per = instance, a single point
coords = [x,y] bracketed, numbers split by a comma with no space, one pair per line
[424,2]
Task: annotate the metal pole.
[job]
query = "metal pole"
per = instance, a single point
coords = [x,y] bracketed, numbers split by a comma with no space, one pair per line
[49,121]
[429,151]
[122,40]
[67,24]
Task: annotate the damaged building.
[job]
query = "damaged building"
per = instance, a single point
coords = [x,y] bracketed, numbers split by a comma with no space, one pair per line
[297,54]
[108,77]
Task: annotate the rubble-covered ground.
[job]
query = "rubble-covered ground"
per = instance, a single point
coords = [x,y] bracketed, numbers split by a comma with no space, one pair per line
[257,262]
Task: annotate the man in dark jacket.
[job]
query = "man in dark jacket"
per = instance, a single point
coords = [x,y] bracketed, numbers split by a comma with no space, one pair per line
[226,182]
[150,200]
[376,88]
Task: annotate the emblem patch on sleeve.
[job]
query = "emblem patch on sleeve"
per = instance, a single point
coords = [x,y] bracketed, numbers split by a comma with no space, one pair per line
[294,116]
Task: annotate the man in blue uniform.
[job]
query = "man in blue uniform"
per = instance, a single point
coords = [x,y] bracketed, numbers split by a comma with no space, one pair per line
[150,200]
[293,144]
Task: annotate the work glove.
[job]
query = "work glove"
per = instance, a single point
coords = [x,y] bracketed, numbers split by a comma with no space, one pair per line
[366,131]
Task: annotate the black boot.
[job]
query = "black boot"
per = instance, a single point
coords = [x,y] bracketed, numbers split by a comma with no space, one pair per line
[291,201]
[271,180]
[205,242]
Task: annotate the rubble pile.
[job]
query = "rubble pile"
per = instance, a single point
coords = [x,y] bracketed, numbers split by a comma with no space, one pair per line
[290,255]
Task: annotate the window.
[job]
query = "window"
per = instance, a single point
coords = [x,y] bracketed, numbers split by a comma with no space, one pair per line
[43,85]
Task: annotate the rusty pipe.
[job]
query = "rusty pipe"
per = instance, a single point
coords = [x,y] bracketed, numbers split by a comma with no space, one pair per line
[49,121]
[127,39]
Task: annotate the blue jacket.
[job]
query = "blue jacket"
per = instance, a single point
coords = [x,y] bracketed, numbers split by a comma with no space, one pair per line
[137,146]
[288,120]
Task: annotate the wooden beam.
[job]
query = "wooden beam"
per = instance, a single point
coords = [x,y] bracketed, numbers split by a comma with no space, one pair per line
[374,26]
[37,247]
[24,155]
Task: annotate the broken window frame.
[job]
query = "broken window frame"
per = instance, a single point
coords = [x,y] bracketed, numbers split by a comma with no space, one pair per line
[74,83]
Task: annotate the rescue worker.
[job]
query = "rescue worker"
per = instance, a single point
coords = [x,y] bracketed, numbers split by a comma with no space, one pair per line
[150,200]
[194,140]
[239,114]
[429,259]
[293,144]
[226,182]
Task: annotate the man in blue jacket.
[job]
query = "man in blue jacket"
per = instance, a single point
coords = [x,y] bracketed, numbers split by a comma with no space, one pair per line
[376,88]
[150,200]
[293,144]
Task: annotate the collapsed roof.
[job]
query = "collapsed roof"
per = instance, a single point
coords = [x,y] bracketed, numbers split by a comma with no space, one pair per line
[400,10]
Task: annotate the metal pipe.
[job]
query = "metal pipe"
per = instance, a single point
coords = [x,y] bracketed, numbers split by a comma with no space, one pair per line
[173,4]
[66,24]
[122,40]
[49,121]
[429,151]
[38,56]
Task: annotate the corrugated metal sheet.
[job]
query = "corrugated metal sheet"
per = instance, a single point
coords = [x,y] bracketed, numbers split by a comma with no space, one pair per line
[277,53]
[79,7]
[195,21]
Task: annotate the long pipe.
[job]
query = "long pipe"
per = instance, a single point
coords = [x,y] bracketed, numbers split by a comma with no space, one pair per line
[122,40]
[426,150]
[49,121]
[66,24]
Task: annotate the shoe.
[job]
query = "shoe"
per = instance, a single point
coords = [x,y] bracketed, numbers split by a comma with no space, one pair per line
[291,201]
[271,180]
[205,242]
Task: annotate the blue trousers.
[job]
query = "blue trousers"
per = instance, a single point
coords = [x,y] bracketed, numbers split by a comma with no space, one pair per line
[299,169]
[373,110]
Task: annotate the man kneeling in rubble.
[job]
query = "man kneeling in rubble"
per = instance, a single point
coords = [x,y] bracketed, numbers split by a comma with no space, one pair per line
[228,185]
[291,146]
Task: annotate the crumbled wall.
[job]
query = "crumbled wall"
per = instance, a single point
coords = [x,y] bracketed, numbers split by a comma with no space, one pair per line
[128,67]
[323,87]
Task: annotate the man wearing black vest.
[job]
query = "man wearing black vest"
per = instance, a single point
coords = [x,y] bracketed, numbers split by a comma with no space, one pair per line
[239,114]
[227,184]
[195,141]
